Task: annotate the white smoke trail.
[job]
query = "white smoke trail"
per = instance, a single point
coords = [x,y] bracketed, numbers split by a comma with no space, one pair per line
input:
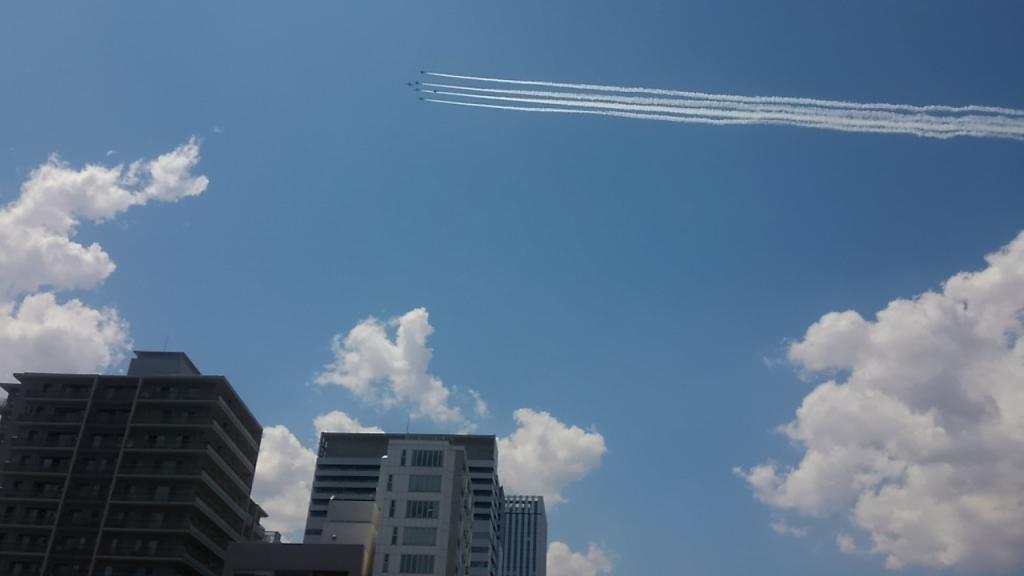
[680,119]
[683,102]
[638,115]
[934,126]
[745,99]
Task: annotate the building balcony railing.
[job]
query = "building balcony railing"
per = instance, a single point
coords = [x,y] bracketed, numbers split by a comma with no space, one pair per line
[33,468]
[43,419]
[206,540]
[23,547]
[7,494]
[130,523]
[159,471]
[217,519]
[40,443]
[140,444]
[66,394]
[230,442]
[153,497]
[170,552]
[24,520]
[238,423]
[158,422]
[224,496]
[228,470]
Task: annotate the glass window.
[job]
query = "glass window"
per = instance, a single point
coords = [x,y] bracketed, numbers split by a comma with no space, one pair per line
[424,483]
[421,509]
[419,536]
[417,564]
[427,458]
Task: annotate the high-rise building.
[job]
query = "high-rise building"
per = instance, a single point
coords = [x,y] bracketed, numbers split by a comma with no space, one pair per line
[145,474]
[372,467]
[526,536]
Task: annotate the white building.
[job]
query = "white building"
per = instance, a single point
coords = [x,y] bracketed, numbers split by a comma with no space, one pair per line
[439,499]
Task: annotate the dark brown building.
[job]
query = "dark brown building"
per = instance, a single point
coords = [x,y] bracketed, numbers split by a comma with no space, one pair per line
[145,474]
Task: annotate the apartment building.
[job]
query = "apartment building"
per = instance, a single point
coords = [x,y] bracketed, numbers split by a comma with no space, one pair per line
[143,474]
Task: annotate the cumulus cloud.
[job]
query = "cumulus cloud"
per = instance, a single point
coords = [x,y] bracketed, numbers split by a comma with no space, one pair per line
[338,421]
[36,230]
[392,372]
[562,561]
[917,432]
[39,258]
[31,331]
[543,455]
[284,477]
[845,543]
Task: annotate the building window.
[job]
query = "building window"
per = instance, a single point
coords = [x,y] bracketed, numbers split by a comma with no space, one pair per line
[417,564]
[384,567]
[394,535]
[424,483]
[402,461]
[427,458]
[391,510]
[391,481]
[421,509]
[419,536]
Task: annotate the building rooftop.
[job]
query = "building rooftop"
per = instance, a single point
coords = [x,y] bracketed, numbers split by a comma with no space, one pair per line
[147,363]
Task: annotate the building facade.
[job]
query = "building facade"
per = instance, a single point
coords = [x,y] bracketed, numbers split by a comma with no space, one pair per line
[144,474]
[526,536]
[359,466]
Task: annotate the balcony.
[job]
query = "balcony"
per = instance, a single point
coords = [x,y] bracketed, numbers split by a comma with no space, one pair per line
[66,444]
[230,442]
[23,547]
[26,520]
[33,468]
[51,419]
[218,520]
[153,498]
[66,394]
[228,470]
[8,494]
[160,471]
[223,495]
[238,423]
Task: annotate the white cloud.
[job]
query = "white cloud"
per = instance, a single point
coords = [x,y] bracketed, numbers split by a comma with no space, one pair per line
[39,258]
[845,543]
[562,561]
[392,372]
[479,406]
[41,335]
[338,421]
[36,230]
[543,455]
[919,434]
[284,476]
[784,528]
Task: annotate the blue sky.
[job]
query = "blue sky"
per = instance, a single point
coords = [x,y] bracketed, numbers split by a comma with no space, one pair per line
[636,278]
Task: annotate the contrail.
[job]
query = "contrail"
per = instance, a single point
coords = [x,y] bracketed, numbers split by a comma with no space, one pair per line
[703,108]
[735,98]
